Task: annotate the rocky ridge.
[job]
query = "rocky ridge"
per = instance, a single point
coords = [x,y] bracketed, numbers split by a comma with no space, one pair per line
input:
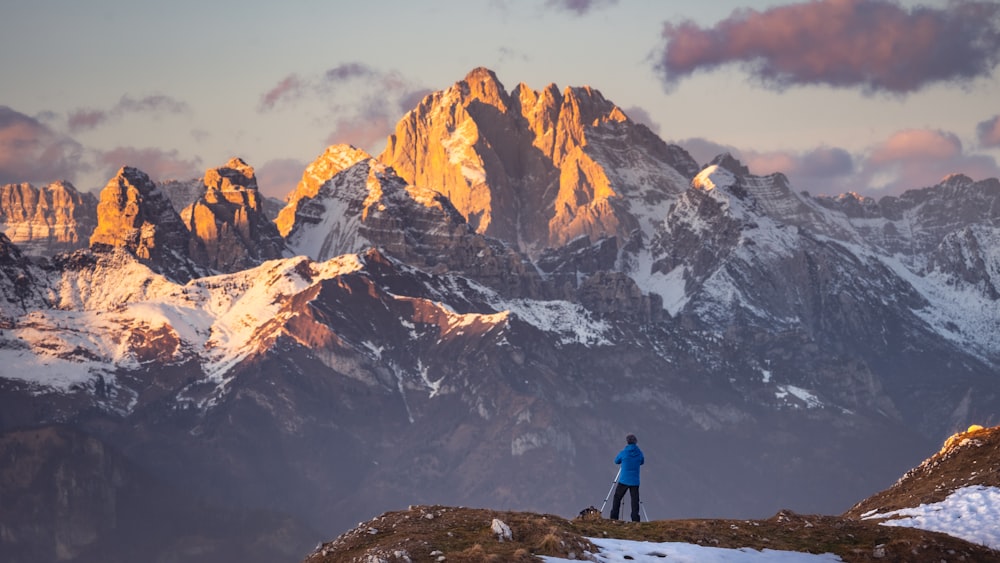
[229,231]
[47,220]
[536,168]
[135,215]
[429,346]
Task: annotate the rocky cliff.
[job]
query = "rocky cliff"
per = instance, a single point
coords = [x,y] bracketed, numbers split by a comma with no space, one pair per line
[47,220]
[424,344]
[365,204]
[135,215]
[229,231]
[539,168]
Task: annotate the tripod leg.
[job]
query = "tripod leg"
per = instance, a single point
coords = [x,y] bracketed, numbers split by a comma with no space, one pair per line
[613,483]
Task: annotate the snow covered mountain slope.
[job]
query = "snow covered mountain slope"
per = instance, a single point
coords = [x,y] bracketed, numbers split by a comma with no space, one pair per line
[516,283]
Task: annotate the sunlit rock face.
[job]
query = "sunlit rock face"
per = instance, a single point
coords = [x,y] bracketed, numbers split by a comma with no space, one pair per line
[229,231]
[335,159]
[136,215]
[536,168]
[361,203]
[47,220]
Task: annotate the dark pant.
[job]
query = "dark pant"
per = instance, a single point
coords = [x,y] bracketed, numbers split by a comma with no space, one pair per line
[620,495]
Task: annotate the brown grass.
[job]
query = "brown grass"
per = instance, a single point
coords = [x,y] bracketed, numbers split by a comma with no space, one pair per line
[464,535]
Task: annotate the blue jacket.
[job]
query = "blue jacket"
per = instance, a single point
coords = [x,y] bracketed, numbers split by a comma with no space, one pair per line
[630,459]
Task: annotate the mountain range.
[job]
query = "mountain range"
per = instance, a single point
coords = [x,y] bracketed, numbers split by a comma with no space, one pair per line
[478,316]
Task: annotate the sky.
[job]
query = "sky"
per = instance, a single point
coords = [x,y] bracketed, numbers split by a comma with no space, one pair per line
[868,96]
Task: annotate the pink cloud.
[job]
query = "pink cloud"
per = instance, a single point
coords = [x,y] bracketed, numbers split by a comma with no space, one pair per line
[366,117]
[989,132]
[289,88]
[909,159]
[822,168]
[158,164]
[876,45]
[917,144]
[31,152]
[367,132]
[277,178]
[917,158]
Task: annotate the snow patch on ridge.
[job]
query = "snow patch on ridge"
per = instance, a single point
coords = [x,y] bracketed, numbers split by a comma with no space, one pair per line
[960,314]
[970,513]
[714,177]
[217,317]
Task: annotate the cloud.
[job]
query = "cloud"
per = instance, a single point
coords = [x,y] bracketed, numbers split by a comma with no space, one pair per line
[822,169]
[367,133]
[157,104]
[917,158]
[579,7]
[348,71]
[874,45]
[917,144]
[289,88]
[277,178]
[907,159]
[988,132]
[159,164]
[85,119]
[412,98]
[366,115]
[31,152]
[636,113]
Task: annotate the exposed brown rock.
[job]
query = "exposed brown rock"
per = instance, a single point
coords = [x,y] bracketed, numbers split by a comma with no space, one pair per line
[135,215]
[47,220]
[524,168]
[229,231]
[335,159]
[367,205]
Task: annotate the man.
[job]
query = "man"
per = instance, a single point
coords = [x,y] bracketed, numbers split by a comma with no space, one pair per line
[628,479]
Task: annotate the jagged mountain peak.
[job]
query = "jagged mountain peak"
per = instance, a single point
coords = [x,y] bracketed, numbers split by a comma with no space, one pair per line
[535,169]
[483,85]
[136,215]
[234,175]
[956,181]
[335,159]
[714,176]
[47,219]
[229,230]
[731,163]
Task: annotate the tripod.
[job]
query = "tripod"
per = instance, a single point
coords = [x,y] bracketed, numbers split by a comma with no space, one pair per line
[615,482]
